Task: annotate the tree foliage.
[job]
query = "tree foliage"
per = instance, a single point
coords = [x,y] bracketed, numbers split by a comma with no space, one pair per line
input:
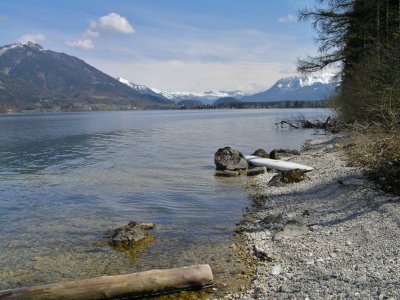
[364,37]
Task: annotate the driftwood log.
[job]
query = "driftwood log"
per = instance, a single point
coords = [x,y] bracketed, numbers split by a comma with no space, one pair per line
[303,123]
[147,283]
[288,123]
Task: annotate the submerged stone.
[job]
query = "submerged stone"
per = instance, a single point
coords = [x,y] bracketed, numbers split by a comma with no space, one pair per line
[227,173]
[130,234]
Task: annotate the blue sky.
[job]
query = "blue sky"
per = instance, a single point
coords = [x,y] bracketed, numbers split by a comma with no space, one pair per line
[171,45]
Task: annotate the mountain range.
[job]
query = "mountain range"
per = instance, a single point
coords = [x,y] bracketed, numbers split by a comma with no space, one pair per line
[33,78]
[298,88]
[295,88]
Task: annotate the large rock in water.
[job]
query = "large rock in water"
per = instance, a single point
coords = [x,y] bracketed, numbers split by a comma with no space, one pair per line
[130,234]
[229,159]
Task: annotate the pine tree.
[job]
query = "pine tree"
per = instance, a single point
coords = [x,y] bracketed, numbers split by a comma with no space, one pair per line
[364,37]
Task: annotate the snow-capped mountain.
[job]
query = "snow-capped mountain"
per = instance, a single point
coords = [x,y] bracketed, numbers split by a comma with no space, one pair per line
[296,88]
[205,97]
[142,89]
[29,45]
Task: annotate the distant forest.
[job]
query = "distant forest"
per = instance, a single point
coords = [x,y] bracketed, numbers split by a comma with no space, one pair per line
[257,105]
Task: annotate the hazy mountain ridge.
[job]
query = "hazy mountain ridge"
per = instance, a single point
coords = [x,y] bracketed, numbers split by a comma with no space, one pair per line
[205,97]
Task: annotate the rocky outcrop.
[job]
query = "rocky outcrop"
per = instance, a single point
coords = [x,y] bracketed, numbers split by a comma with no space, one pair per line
[229,159]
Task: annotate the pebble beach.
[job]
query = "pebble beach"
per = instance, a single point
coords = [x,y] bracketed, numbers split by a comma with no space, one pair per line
[334,235]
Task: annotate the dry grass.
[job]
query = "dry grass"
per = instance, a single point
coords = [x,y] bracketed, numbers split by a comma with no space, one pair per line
[378,153]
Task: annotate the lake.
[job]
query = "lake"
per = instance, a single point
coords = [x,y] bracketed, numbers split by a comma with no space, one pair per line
[68,179]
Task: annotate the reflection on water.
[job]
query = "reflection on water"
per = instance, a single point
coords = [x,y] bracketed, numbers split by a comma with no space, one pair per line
[67,179]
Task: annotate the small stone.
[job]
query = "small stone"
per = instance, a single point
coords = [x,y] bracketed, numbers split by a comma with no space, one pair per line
[291,216]
[320,260]
[290,230]
[315,227]
[290,176]
[348,243]
[256,171]
[276,270]
[334,274]
[227,173]
[333,254]
[262,254]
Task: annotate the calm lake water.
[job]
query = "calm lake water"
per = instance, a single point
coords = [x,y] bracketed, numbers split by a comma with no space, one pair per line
[66,180]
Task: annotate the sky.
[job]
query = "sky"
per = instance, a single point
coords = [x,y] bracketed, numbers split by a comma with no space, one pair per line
[170,45]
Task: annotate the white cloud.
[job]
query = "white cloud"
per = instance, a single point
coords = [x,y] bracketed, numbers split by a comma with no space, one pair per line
[288,19]
[34,38]
[112,23]
[84,44]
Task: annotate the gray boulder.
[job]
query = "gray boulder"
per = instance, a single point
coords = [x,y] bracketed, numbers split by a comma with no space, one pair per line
[279,153]
[229,159]
[261,153]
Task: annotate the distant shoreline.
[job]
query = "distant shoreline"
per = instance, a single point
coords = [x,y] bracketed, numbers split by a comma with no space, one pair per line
[240,105]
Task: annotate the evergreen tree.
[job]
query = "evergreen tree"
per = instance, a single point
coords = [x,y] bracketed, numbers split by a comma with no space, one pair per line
[363,36]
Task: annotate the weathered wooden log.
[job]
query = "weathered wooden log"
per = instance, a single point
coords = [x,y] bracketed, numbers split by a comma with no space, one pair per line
[110,287]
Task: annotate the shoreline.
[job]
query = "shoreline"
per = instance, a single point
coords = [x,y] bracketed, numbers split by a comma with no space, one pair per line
[333,236]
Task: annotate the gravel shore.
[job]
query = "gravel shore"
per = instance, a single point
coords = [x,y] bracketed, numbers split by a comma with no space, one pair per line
[332,236]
